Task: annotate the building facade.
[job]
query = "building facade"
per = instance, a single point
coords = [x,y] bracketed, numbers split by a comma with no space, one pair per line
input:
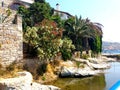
[14,4]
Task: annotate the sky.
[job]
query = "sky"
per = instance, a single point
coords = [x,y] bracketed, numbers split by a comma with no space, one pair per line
[106,12]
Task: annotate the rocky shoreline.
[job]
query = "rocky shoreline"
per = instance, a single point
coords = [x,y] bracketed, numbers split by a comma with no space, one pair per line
[90,67]
[85,68]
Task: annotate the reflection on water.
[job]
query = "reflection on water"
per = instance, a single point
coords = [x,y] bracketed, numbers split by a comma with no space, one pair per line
[89,83]
[100,82]
[112,75]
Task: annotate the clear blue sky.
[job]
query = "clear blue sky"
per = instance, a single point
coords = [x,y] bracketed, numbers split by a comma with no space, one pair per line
[106,12]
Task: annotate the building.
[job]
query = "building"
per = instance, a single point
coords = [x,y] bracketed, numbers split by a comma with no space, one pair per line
[14,4]
[63,15]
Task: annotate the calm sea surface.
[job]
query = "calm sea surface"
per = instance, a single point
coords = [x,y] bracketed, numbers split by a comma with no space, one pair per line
[111,52]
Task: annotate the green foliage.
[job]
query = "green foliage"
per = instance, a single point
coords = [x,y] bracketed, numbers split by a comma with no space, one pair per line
[66,49]
[40,11]
[57,19]
[84,56]
[43,78]
[27,21]
[49,40]
[77,29]
[78,64]
[37,12]
[45,37]
[80,31]
[31,36]
[97,45]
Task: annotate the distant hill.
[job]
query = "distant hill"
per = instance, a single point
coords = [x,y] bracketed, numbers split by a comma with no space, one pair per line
[111,46]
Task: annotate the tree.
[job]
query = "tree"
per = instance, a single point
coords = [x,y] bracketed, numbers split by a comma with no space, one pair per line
[58,20]
[77,29]
[37,12]
[85,35]
[96,42]
[66,49]
[45,38]
[40,11]
[25,13]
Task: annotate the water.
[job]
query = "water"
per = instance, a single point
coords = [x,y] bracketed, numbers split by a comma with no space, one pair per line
[99,82]
[112,75]
[111,52]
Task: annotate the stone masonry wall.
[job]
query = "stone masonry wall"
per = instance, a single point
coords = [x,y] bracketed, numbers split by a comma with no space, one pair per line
[11,42]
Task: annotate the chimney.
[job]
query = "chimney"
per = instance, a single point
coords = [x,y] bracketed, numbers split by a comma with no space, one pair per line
[57,6]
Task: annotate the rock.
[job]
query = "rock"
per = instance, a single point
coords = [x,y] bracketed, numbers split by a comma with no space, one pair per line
[23,82]
[77,72]
[95,64]
[90,68]
[100,66]
[67,71]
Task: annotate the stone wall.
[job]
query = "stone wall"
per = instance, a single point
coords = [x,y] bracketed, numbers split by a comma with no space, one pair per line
[11,41]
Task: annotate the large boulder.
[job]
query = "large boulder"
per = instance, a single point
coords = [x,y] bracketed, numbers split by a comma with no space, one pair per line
[23,82]
[67,71]
[77,72]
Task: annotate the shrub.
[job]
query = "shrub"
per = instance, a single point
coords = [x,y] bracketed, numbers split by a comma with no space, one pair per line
[84,56]
[66,49]
[41,69]
[66,55]
[43,78]
[78,64]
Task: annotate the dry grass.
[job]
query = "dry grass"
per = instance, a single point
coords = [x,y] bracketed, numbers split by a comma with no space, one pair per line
[10,71]
[48,76]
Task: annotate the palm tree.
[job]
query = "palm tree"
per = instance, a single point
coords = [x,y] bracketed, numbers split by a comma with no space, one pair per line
[85,35]
[95,43]
[77,29]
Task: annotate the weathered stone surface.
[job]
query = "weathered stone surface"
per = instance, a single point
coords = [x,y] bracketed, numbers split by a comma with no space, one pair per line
[90,67]
[11,41]
[23,82]
[77,72]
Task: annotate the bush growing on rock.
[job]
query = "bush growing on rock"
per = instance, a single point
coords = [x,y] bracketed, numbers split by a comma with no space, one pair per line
[66,49]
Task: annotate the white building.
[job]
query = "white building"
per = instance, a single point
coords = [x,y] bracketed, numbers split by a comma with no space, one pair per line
[14,4]
[63,15]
